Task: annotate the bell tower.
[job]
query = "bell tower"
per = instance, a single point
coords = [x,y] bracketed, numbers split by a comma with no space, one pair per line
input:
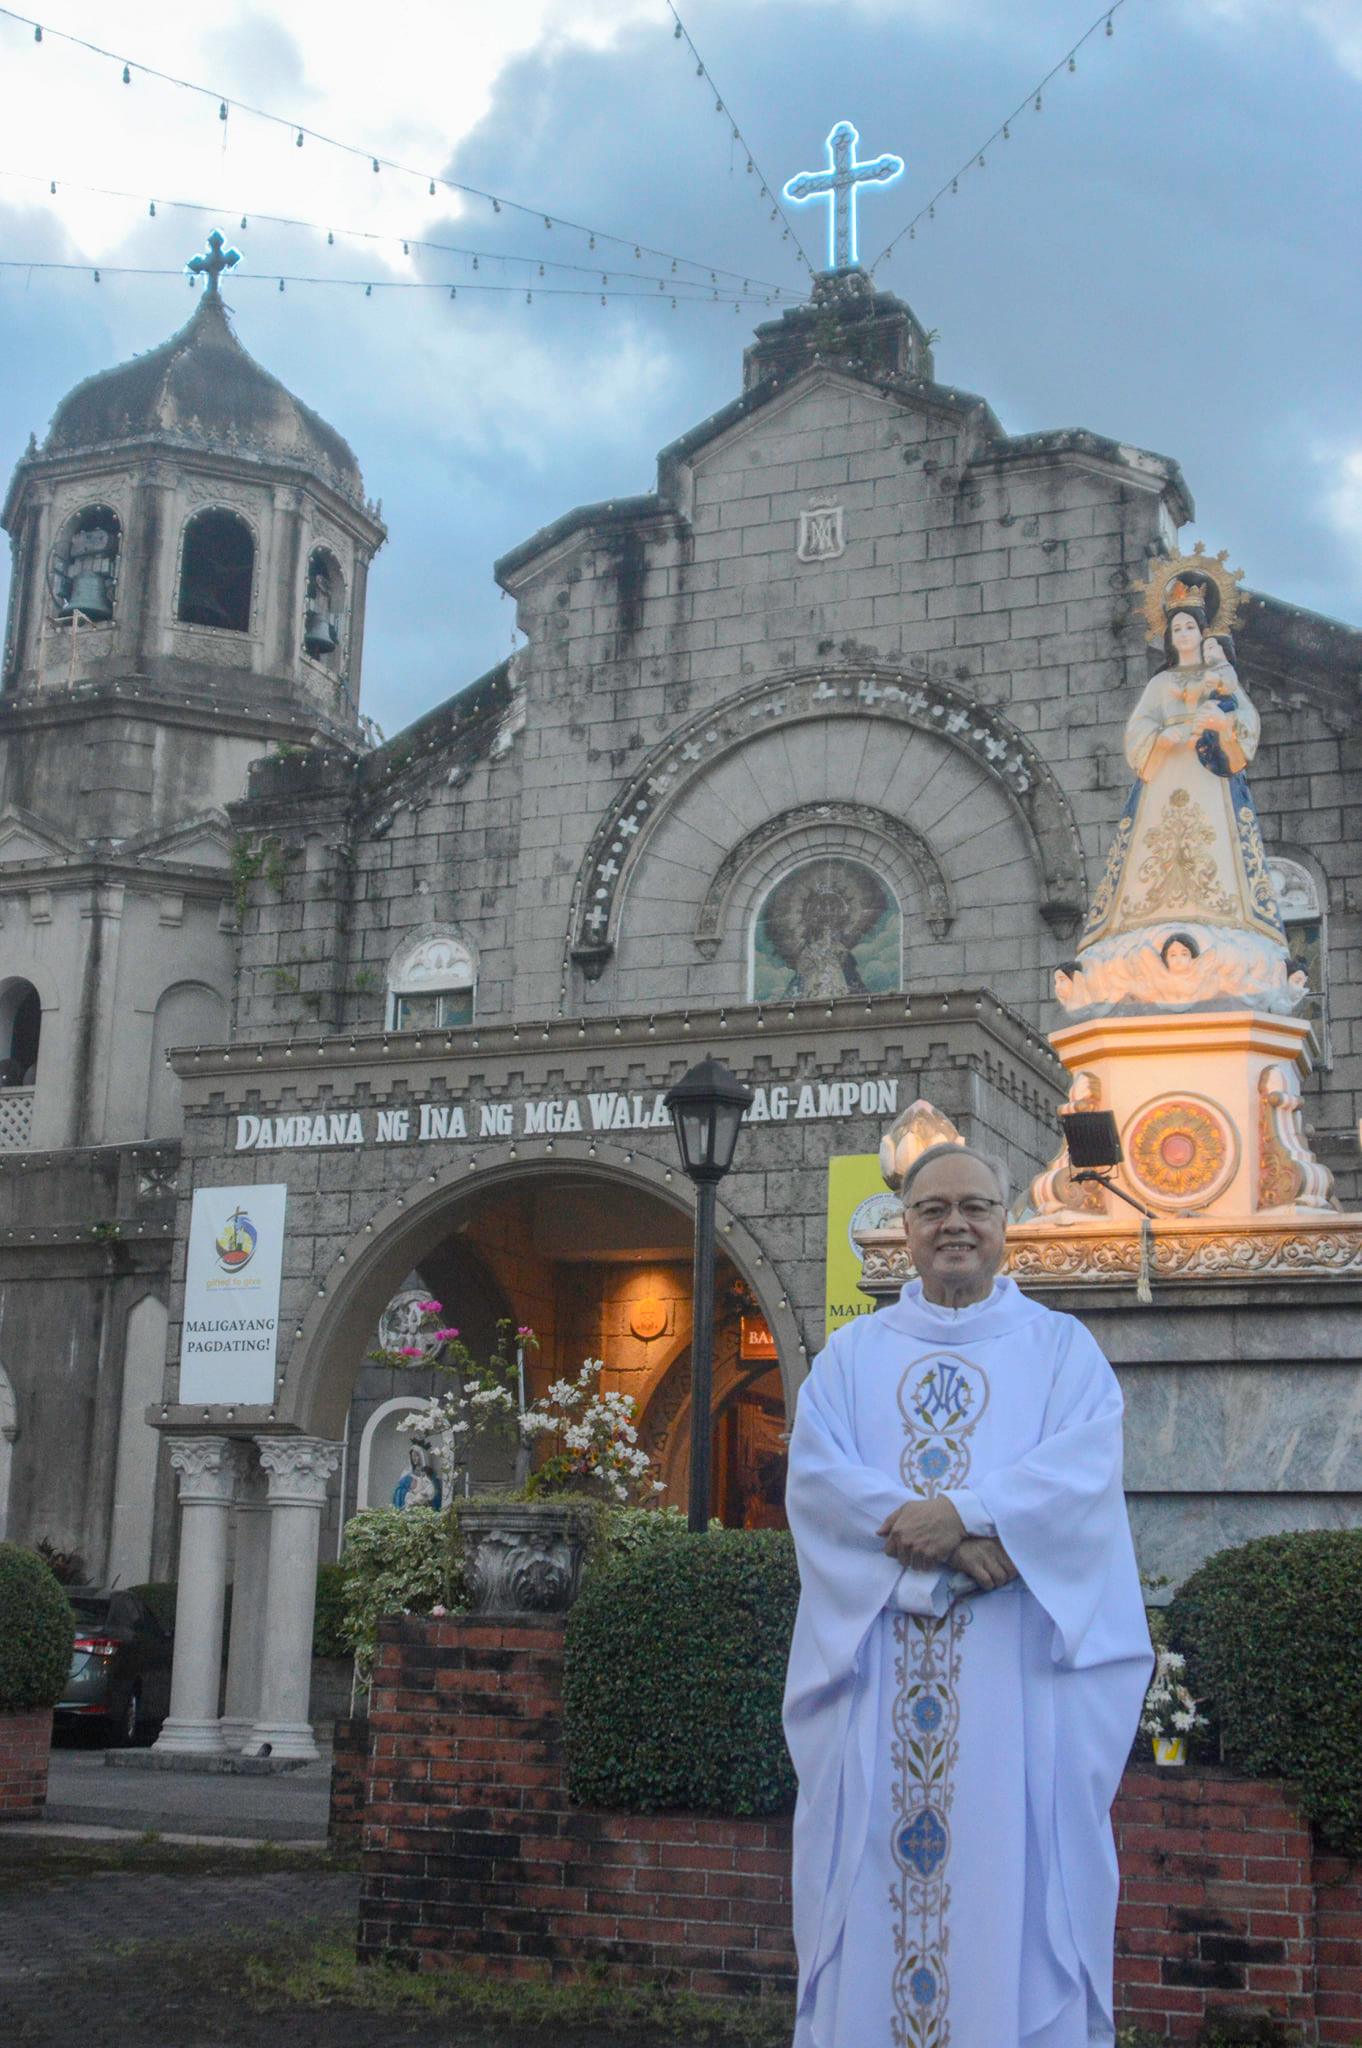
[188,530]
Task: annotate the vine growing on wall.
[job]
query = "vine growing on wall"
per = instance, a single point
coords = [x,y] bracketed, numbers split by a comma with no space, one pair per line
[250,860]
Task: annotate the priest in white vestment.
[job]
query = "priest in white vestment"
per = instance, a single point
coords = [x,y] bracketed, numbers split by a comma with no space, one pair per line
[970,1656]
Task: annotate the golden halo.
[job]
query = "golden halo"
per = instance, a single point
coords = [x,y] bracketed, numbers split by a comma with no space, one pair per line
[1163,570]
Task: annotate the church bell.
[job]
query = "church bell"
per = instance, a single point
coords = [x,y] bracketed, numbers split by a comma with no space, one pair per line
[89,595]
[319,632]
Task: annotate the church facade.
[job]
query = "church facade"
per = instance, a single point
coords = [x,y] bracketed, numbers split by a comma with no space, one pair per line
[810,761]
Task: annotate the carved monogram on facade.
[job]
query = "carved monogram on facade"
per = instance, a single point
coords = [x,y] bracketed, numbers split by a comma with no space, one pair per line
[822,533]
[790,700]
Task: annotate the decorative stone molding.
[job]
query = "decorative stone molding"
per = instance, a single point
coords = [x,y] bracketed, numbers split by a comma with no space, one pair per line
[298,1468]
[1289,1175]
[858,817]
[782,701]
[1090,1259]
[209,1468]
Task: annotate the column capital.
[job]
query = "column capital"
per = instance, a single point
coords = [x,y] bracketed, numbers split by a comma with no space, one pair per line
[298,1468]
[208,1467]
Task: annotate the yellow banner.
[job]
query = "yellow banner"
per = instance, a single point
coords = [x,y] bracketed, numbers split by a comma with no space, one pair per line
[857,1196]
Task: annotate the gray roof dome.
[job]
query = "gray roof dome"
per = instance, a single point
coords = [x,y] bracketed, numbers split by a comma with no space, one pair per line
[201,389]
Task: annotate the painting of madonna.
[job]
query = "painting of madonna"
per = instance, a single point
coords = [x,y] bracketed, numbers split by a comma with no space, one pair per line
[1187,851]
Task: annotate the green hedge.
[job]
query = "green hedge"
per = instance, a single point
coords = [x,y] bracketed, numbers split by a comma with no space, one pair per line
[36,1631]
[1271,1631]
[328,1639]
[676,1654]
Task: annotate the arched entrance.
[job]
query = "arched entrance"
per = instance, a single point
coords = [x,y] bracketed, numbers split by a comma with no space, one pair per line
[592,1248]
[588,1244]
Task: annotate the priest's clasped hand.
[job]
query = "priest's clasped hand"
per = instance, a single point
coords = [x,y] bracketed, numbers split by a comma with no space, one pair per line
[923,1534]
[983,1559]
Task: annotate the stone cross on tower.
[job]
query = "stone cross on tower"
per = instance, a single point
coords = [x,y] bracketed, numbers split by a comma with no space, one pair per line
[215,262]
[839,183]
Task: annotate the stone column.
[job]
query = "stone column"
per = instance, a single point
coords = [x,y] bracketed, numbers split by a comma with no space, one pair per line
[208,1468]
[246,1636]
[298,1468]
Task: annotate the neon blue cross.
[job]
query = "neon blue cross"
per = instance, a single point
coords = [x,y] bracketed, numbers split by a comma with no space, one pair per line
[839,183]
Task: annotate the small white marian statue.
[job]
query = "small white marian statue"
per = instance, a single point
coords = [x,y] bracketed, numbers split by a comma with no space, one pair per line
[1186,915]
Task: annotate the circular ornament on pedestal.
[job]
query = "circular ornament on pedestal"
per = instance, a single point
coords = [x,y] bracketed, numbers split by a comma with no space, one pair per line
[1181,1151]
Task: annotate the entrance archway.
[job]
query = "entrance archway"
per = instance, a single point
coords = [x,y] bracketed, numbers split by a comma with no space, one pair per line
[591,1246]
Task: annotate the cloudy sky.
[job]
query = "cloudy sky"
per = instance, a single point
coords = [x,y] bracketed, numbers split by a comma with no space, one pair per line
[1166,253]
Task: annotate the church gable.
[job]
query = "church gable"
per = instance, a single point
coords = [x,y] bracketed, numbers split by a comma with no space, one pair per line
[205,841]
[25,842]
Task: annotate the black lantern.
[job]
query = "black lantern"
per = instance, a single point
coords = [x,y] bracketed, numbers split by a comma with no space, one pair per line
[707,1106]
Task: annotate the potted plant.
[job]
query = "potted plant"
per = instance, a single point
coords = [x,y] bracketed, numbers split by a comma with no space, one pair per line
[1170,1714]
[523,1551]
[36,1633]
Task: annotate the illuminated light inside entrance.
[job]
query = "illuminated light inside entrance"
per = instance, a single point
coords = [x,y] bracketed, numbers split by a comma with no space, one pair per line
[840,184]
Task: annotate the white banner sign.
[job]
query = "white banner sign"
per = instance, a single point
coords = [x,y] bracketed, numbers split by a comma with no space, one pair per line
[606,1110]
[231,1295]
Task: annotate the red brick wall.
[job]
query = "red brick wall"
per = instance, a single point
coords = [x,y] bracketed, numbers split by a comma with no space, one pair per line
[349,1769]
[472,1852]
[25,1743]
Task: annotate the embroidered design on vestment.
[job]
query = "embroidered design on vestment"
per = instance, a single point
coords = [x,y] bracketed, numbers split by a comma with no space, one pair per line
[941,1398]
[1180,870]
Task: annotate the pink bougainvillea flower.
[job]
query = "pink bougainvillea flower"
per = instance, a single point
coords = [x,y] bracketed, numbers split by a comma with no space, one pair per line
[524,1331]
[411,1351]
[430,1308]
[444,1336]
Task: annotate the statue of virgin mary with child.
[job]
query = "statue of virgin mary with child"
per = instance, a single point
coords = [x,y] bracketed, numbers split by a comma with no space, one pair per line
[1186,915]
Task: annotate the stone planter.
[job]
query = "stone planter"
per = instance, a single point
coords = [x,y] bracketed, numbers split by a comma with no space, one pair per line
[25,1745]
[524,1558]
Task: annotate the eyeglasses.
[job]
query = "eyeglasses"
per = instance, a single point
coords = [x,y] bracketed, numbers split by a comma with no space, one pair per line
[974,1209]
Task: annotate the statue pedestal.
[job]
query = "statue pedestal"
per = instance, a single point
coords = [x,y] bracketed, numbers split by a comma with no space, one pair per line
[1208,1106]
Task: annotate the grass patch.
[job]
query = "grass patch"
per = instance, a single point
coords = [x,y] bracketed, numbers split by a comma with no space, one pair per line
[28,1860]
[327,1974]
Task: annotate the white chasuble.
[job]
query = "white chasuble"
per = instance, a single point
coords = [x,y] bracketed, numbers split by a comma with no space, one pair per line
[955,1877]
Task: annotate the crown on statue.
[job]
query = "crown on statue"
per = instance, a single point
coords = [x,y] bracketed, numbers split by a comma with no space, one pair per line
[1199,579]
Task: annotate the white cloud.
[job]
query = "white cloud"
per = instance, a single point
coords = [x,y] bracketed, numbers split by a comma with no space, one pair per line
[1338,23]
[407,82]
[1343,492]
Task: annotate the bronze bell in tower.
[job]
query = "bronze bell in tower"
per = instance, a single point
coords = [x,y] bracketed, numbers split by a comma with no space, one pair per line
[90,573]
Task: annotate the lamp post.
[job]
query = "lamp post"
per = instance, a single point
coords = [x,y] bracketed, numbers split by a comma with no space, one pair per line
[707,1106]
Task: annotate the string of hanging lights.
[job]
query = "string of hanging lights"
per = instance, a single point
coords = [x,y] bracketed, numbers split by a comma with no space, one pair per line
[541,266]
[681,34]
[434,181]
[679,292]
[1105,26]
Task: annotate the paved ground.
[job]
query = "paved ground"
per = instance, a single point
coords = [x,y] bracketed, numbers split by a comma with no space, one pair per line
[289,1807]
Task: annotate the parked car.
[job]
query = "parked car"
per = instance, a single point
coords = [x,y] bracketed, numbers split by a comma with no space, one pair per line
[120,1665]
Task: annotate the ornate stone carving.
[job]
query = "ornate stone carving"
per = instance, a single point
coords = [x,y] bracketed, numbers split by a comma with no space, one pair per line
[298,1468]
[1181,1151]
[522,1560]
[1054,1192]
[822,533]
[1201,1255]
[209,1467]
[856,817]
[1289,1176]
[894,694]
[216,649]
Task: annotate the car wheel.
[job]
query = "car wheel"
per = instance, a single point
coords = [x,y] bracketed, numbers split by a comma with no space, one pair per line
[130,1726]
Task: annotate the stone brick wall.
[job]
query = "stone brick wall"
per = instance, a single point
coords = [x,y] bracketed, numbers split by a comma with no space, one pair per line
[473,1852]
[25,1743]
